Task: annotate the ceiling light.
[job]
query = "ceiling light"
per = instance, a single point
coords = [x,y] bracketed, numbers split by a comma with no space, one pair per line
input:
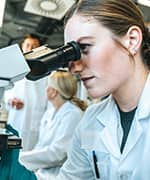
[144,2]
[55,9]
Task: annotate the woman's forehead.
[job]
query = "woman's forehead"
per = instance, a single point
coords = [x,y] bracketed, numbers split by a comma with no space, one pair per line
[78,27]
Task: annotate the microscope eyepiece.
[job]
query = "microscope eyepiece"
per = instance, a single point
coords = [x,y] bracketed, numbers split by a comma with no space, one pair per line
[45,64]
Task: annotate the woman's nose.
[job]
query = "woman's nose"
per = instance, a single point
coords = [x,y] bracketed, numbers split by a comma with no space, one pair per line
[75,66]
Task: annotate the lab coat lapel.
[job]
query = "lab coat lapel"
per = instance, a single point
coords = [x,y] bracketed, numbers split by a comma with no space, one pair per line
[109,134]
[133,137]
[109,138]
[142,112]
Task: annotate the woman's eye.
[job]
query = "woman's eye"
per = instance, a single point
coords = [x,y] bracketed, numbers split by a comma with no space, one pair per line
[84,48]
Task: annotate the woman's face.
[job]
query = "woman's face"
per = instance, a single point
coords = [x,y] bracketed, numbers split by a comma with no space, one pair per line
[29,44]
[104,67]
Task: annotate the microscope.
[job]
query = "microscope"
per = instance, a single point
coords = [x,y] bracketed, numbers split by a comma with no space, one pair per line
[14,66]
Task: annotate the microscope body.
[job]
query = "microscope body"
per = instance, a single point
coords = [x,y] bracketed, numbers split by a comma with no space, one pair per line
[13,67]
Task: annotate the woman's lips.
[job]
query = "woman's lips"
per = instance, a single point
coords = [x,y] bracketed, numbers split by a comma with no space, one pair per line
[86,79]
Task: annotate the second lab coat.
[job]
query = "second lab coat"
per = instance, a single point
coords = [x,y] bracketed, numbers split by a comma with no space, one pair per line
[55,135]
[27,120]
[100,131]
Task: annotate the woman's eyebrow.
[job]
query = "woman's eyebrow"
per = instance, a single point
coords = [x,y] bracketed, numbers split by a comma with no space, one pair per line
[84,37]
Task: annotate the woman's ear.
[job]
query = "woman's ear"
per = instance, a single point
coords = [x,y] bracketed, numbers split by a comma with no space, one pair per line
[134,36]
[54,93]
[51,93]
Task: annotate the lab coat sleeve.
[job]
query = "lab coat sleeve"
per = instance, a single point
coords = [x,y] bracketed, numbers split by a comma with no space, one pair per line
[77,166]
[56,153]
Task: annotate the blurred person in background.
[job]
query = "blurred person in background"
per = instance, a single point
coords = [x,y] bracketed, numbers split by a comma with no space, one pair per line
[27,101]
[57,127]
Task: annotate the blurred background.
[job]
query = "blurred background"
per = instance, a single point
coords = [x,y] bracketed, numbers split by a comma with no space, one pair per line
[42,17]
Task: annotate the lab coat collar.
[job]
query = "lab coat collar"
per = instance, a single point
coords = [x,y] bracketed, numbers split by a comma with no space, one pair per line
[63,108]
[109,133]
[109,136]
[143,109]
[142,112]
[110,107]
[134,135]
[110,122]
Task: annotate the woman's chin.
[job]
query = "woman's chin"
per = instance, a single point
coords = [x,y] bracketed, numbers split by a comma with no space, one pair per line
[93,94]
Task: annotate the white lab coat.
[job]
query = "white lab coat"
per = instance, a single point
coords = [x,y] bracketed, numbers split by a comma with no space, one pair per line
[55,135]
[100,131]
[27,120]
